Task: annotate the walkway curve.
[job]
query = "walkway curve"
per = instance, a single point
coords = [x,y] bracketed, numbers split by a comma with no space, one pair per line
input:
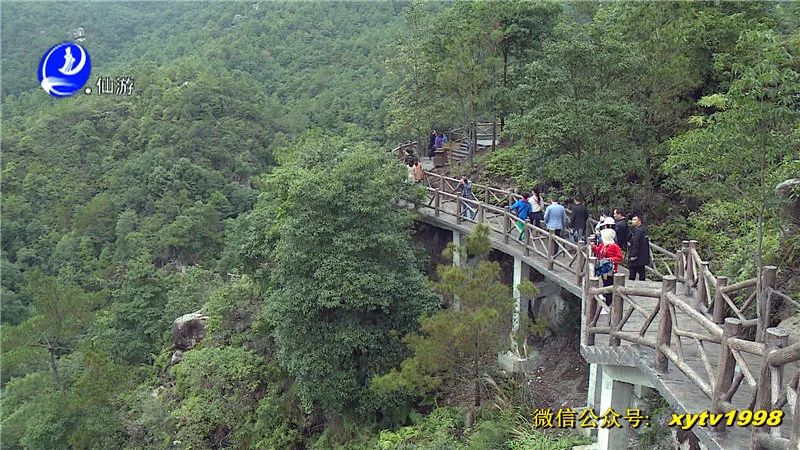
[685,335]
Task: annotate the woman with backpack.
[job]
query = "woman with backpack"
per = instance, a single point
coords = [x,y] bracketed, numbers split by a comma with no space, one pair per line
[609,255]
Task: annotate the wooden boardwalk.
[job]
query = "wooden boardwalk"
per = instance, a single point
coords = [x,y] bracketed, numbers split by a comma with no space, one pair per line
[693,349]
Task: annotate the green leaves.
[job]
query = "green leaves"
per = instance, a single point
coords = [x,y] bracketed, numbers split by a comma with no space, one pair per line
[346,284]
[459,345]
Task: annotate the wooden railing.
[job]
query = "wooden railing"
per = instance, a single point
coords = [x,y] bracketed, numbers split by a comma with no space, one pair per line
[662,261]
[718,313]
[718,380]
[400,150]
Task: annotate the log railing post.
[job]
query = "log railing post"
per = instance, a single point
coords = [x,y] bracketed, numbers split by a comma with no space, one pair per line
[679,264]
[794,440]
[506,225]
[779,338]
[725,368]
[480,212]
[700,293]
[664,337]
[437,202]
[689,261]
[589,303]
[616,308]
[510,198]
[527,230]
[719,301]
[580,270]
[550,255]
[771,378]
[767,283]
[458,209]
[441,182]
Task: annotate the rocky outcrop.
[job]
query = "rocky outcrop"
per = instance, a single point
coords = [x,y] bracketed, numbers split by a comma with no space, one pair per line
[188,330]
[789,192]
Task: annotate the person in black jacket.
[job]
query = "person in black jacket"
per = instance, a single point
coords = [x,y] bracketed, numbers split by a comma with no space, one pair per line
[639,249]
[578,224]
[432,139]
[621,228]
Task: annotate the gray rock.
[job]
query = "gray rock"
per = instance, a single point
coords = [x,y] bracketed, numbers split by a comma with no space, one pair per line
[188,330]
[176,357]
[789,191]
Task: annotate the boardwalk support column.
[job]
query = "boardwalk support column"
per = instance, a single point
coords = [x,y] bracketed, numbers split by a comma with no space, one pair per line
[727,365]
[616,308]
[719,301]
[519,321]
[617,396]
[595,387]
[664,337]
[457,262]
[518,360]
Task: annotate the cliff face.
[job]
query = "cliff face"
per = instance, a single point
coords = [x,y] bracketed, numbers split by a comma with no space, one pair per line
[789,192]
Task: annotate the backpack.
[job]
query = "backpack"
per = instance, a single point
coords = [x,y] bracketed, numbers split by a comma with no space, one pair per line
[603,266]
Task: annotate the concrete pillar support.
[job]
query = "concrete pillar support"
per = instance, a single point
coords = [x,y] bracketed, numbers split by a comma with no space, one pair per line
[519,320]
[457,241]
[617,396]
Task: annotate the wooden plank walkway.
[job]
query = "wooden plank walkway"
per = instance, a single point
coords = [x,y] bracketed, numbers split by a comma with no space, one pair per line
[701,357]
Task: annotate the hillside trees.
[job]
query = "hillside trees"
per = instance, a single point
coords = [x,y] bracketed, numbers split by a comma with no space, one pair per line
[747,144]
[576,119]
[458,346]
[458,64]
[346,286]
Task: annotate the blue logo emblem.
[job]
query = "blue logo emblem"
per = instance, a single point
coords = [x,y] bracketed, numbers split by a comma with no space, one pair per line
[64,69]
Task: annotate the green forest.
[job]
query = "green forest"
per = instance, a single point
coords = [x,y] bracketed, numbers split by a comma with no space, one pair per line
[250,179]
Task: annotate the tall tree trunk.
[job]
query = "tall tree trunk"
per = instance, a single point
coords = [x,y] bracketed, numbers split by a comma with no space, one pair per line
[763,322]
[505,87]
[54,366]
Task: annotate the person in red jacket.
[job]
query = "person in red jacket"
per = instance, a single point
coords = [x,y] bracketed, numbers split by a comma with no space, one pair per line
[609,255]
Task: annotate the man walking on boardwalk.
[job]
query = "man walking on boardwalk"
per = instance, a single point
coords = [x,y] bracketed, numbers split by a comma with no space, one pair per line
[522,209]
[555,219]
[579,217]
[431,147]
[639,250]
[465,190]
[621,228]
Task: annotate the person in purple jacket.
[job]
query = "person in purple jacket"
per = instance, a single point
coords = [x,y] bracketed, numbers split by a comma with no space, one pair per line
[437,142]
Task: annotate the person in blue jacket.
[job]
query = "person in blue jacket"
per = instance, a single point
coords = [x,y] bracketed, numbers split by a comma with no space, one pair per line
[555,218]
[522,209]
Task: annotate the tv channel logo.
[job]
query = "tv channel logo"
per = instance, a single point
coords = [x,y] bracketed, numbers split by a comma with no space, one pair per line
[64,69]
